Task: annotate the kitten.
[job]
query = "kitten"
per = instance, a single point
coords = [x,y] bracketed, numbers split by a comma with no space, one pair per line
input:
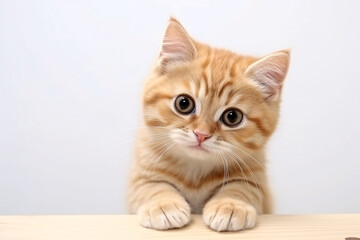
[207,115]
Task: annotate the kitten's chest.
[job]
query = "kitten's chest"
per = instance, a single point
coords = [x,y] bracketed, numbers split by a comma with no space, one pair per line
[197,190]
[198,182]
[197,198]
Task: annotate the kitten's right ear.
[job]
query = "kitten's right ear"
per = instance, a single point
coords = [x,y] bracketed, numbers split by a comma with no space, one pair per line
[269,73]
[177,46]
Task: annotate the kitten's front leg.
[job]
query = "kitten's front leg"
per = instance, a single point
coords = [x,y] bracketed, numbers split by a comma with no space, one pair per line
[233,208]
[162,207]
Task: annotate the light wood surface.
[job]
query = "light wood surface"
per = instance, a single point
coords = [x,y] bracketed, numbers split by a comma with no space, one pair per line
[117,227]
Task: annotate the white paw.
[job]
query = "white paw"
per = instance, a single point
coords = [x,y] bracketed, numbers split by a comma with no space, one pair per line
[164,215]
[229,215]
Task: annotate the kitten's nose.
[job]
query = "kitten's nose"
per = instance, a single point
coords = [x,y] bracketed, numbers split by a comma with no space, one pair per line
[201,137]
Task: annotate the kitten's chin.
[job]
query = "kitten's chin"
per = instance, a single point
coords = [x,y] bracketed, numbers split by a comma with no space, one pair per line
[198,153]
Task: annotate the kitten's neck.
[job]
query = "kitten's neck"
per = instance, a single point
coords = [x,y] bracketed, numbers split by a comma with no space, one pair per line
[195,169]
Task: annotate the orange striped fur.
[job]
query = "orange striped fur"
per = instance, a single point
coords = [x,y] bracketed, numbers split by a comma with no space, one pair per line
[174,172]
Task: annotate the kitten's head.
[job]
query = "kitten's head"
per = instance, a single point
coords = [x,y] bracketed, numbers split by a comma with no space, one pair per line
[205,102]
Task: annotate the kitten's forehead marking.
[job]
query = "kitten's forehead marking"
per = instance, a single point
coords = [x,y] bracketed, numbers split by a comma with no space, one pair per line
[201,92]
[197,106]
[193,87]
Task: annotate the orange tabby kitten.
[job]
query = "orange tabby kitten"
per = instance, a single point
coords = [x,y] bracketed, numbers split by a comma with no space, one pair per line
[208,114]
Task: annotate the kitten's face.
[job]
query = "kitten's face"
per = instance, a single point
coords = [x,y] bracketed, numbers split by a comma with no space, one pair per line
[206,103]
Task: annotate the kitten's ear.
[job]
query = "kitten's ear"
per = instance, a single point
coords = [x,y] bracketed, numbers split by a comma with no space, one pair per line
[177,46]
[269,73]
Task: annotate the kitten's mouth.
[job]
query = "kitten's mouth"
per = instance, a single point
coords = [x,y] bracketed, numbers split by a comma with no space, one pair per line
[199,147]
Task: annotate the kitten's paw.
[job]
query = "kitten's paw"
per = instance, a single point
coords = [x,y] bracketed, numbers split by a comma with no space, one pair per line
[164,215]
[229,215]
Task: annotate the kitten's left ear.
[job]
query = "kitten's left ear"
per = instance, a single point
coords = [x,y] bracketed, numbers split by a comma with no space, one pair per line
[269,73]
[177,46]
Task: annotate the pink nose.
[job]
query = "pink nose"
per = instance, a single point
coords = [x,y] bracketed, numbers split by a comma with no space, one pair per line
[201,137]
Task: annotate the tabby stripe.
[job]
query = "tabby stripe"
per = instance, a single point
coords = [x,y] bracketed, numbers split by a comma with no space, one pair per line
[155,123]
[230,96]
[157,97]
[233,69]
[167,182]
[251,145]
[205,79]
[205,64]
[238,180]
[260,126]
[243,181]
[189,184]
[223,87]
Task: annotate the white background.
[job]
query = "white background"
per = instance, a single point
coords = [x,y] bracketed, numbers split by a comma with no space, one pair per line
[71,74]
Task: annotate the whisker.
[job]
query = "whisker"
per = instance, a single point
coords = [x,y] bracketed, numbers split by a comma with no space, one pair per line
[167,149]
[161,146]
[243,151]
[226,170]
[235,160]
[135,138]
[138,128]
[253,175]
[213,163]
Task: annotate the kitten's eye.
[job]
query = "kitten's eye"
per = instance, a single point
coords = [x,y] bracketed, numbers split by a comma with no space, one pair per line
[232,117]
[184,104]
